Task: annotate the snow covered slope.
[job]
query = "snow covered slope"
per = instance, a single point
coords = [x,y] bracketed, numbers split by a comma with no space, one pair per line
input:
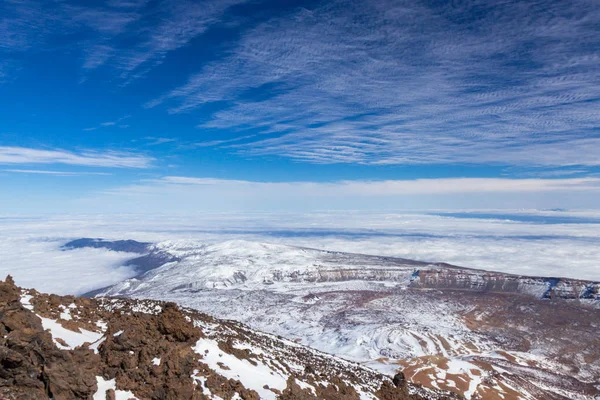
[479,333]
[68,348]
[249,265]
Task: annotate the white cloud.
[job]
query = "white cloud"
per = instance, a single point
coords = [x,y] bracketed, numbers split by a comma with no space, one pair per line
[390,187]
[546,172]
[97,55]
[25,155]
[38,262]
[4,66]
[189,194]
[155,141]
[212,143]
[108,124]
[49,172]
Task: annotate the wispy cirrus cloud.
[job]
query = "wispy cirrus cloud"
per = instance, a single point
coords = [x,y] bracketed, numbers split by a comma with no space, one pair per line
[156,141]
[3,71]
[217,142]
[130,37]
[405,82]
[107,124]
[394,187]
[180,21]
[28,26]
[54,173]
[111,159]
[545,172]
[153,30]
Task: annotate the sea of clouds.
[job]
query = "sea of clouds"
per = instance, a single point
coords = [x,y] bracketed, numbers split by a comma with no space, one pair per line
[550,243]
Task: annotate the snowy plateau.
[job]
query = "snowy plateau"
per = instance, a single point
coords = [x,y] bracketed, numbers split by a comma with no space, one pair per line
[481,334]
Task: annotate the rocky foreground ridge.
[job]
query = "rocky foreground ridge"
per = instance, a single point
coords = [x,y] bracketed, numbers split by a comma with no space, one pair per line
[54,347]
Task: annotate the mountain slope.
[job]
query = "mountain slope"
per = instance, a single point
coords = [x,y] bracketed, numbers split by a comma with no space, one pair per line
[249,264]
[79,348]
[482,334]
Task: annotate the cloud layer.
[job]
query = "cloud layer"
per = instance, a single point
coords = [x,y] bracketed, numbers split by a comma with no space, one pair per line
[188,194]
[30,250]
[381,188]
[39,263]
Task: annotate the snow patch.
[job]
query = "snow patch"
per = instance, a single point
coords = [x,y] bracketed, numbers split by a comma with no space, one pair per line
[65,314]
[105,385]
[201,381]
[94,346]
[252,376]
[26,301]
[72,339]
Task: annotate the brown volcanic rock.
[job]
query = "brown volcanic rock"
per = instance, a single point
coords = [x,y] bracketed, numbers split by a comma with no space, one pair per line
[226,388]
[147,347]
[295,392]
[128,355]
[389,391]
[72,374]
[173,325]
[31,366]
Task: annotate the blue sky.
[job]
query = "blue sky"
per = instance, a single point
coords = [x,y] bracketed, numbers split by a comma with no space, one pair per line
[142,105]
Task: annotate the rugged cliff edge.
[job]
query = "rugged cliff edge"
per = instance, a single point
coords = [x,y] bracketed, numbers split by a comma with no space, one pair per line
[54,347]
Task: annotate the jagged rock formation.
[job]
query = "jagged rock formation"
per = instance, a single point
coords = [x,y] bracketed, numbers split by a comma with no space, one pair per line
[64,348]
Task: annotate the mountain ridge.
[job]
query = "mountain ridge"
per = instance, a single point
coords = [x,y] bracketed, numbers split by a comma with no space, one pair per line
[157,255]
[64,347]
[478,333]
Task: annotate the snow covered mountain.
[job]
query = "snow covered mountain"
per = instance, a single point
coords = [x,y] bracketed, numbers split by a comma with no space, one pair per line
[66,348]
[481,334]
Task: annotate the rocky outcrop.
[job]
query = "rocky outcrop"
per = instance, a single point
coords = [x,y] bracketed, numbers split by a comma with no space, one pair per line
[453,278]
[31,366]
[448,277]
[65,348]
[128,246]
